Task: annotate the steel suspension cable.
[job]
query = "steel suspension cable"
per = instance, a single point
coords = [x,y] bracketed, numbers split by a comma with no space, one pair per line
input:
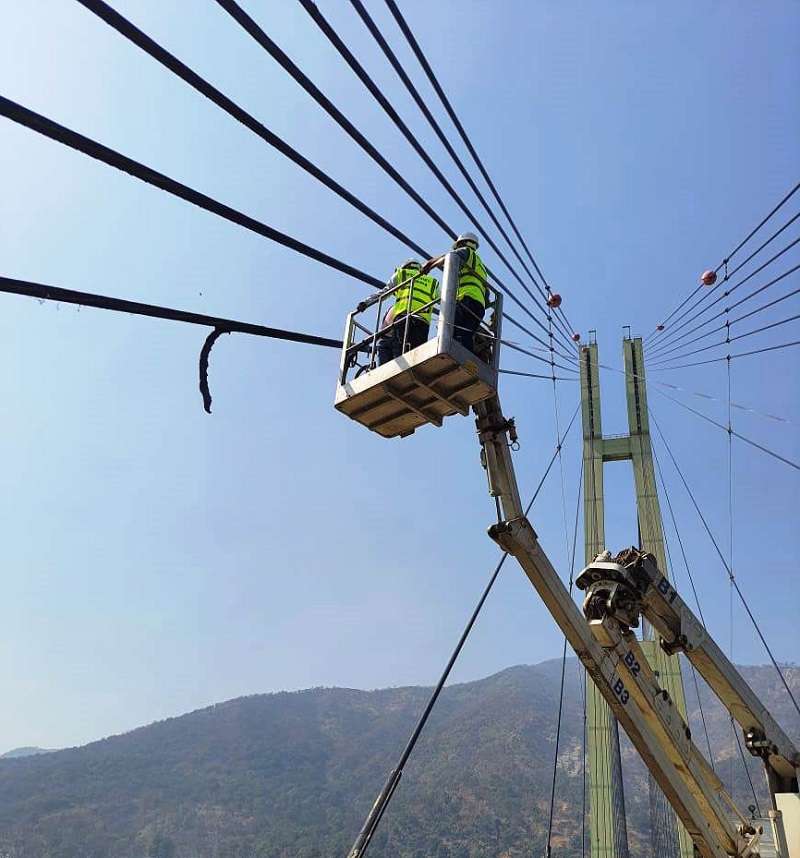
[361,73]
[736,249]
[367,832]
[429,73]
[730,339]
[729,324]
[669,353]
[721,556]
[563,671]
[665,347]
[61,134]
[731,431]
[43,292]
[128,30]
[707,293]
[147,44]
[374,30]
[732,357]
[249,25]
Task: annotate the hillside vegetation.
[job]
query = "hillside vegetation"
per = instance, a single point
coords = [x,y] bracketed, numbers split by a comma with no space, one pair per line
[291,775]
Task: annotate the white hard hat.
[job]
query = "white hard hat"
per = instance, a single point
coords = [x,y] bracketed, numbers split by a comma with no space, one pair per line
[467,238]
[411,263]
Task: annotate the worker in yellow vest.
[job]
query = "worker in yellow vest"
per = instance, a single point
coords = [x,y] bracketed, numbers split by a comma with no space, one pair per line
[471,293]
[410,317]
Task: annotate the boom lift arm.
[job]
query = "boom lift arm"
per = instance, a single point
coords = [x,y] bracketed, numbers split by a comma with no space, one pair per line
[608,648]
[439,378]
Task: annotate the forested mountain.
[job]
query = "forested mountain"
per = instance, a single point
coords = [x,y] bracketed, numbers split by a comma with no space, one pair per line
[291,775]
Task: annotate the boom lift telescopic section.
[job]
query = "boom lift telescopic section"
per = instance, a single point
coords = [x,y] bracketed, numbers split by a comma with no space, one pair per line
[619,591]
[618,594]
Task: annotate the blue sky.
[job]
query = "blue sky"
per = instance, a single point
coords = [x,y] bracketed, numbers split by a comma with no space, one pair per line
[157,559]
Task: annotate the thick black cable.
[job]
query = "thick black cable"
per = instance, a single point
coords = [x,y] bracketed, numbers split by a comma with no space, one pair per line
[98,151]
[729,357]
[61,134]
[732,432]
[730,339]
[736,249]
[374,30]
[362,841]
[143,41]
[664,346]
[361,73]
[728,274]
[155,50]
[731,576]
[429,73]
[674,347]
[43,292]
[755,229]
[729,324]
[257,33]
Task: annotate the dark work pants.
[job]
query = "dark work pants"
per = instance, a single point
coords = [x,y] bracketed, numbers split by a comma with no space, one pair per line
[390,345]
[469,314]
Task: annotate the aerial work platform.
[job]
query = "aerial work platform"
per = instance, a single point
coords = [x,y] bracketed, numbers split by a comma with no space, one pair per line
[425,383]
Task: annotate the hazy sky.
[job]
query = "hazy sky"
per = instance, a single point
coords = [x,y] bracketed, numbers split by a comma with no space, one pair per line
[157,559]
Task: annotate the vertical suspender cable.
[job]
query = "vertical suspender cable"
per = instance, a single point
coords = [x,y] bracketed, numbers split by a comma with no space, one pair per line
[563,669]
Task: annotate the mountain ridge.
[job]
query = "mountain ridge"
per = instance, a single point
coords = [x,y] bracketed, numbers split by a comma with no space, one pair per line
[293,773]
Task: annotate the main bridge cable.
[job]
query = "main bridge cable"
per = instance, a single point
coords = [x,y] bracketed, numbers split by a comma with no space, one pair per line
[159,53]
[728,274]
[731,576]
[49,128]
[731,254]
[219,325]
[61,134]
[125,28]
[426,67]
[667,348]
[677,345]
[370,826]
[43,292]
[729,357]
[729,324]
[257,33]
[379,38]
[728,340]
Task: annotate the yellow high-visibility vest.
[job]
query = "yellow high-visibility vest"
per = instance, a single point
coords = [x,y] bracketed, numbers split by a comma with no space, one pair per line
[417,292]
[472,278]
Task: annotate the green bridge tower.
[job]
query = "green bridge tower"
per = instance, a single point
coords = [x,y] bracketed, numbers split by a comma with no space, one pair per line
[608,830]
